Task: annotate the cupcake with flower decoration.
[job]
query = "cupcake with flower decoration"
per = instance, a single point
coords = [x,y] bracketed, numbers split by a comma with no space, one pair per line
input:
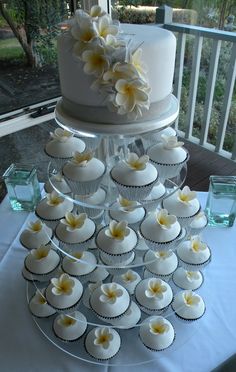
[38,305]
[193,253]
[161,230]
[161,264]
[102,343]
[157,333]
[134,177]
[79,264]
[62,146]
[116,242]
[129,319]
[58,183]
[84,173]
[188,305]
[198,224]
[75,231]
[52,208]
[36,234]
[128,280]
[70,327]
[183,204]
[186,279]
[64,292]
[169,156]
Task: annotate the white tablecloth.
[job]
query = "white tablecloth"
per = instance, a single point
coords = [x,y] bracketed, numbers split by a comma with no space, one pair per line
[24,348]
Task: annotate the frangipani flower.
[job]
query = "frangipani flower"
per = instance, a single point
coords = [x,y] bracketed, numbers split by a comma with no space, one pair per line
[35,226]
[170,142]
[196,244]
[105,26]
[164,219]
[112,42]
[96,11]
[120,70]
[66,320]
[77,256]
[96,61]
[190,298]
[82,29]
[127,205]
[158,326]
[62,285]
[155,289]
[129,277]
[39,297]
[136,163]
[136,61]
[117,230]
[192,275]
[40,252]
[61,135]
[74,221]
[81,159]
[163,254]
[58,177]
[186,195]
[54,199]
[110,293]
[103,337]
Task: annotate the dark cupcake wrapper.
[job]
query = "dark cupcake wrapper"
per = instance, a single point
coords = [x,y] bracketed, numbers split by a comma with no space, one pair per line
[166,277]
[155,246]
[48,274]
[68,341]
[82,277]
[156,350]
[84,244]
[188,320]
[194,267]
[33,280]
[107,317]
[149,311]
[100,360]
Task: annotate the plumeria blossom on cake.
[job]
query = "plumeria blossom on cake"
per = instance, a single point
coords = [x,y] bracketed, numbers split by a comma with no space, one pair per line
[103,337]
[35,226]
[81,159]
[41,252]
[190,298]
[102,343]
[38,305]
[196,244]
[170,142]
[61,135]
[155,289]
[158,326]
[186,195]
[108,56]
[110,292]
[117,230]
[62,285]
[73,221]
[127,205]
[135,162]
[54,199]
[188,305]
[164,219]
[187,279]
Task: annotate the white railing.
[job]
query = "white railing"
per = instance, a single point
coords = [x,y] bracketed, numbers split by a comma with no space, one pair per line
[164,17]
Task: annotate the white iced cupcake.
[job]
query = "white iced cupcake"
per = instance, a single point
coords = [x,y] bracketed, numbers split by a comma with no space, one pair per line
[70,327]
[84,173]
[35,235]
[160,230]
[38,305]
[169,156]
[90,203]
[153,295]
[58,183]
[102,343]
[157,333]
[52,208]
[186,279]
[184,205]
[79,264]
[128,280]
[160,264]
[188,305]
[155,196]
[75,231]
[110,301]
[62,146]
[116,268]
[135,177]
[193,254]
[198,224]
[130,319]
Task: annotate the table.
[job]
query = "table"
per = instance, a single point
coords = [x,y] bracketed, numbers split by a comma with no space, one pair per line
[24,348]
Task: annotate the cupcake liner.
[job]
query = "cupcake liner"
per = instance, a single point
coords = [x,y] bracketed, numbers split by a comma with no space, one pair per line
[156,350]
[107,317]
[68,341]
[50,223]
[99,274]
[42,277]
[111,259]
[186,221]
[80,245]
[70,308]
[193,267]
[184,320]
[149,274]
[82,278]
[148,311]
[155,246]
[99,360]
[56,161]
[28,276]
[118,270]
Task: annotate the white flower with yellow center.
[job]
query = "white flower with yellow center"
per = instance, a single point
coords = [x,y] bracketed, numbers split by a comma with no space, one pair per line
[77,256]
[127,205]
[120,70]
[190,298]
[105,26]
[58,177]
[196,244]
[129,277]
[66,320]
[164,219]
[54,199]
[170,142]
[110,293]
[136,61]
[96,61]
[41,252]
[192,275]
[39,298]
[81,159]
[103,336]
[62,285]
[117,230]
[158,326]
[61,135]
[35,226]
[135,162]
[163,255]
[112,43]
[155,289]
[96,11]
[74,221]
[186,195]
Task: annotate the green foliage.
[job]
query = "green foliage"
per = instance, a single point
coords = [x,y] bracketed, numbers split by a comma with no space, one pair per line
[10,50]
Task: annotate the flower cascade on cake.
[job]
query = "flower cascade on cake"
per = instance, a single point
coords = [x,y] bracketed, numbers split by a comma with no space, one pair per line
[118,71]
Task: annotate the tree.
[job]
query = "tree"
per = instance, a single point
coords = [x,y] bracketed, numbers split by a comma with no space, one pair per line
[33,23]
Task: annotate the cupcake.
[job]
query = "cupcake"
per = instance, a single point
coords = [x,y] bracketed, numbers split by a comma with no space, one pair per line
[75,231]
[35,235]
[160,264]
[116,242]
[157,333]
[188,305]
[58,183]
[193,254]
[64,293]
[160,230]
[87,292]
[102,343]
[135,177]
[91,204]
[130,319]
[79,264]
[190,280]
[169,156]
[127,210]
[38,305]
[116,268]
[42,262]
[184,205]
[52,208]
[62,146]
[84,173]
[153,295]
[155,196]
[110,301]
[70,327]
[198,224]
[128,280]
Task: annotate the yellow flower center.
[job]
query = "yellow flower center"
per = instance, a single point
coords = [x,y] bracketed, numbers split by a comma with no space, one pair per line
[128,277]
[158,328]
[68,321]
[162,254]
[190,274]
[184,197]
[195,246]
[36,226]
[42,300]
[189,300]
[111,294]
[78,255]
[129,90]
[41,254]
[162,220]
[87,35]
[55,200]
[97,60]
[156,288]
[102,339]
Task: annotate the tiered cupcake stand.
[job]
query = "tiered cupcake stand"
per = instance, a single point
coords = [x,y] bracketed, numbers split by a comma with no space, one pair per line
[111,146]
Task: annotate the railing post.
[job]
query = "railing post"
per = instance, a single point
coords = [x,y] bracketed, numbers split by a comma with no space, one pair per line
[164,15]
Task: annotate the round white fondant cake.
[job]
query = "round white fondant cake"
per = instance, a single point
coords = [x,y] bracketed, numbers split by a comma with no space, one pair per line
[35,235]
[185,279]
[161,263]
[188,305]
[81,265]
[128,280]
[102,343]
[157,333]
[42,261]
[193,253]
[38,305]
[70,327]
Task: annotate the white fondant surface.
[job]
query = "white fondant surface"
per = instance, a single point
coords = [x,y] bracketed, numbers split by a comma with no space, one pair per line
[129,285]
[153,231]
[129,177]
[64,301]
[161,265]
[159,154]
[180,278]
[186,311]
[78,235]
[190,256]
[39,309]
[180,209]
[44,265]
[32,239]
[115,246]
[73,331]
[153,303]
[131,217]
[85,265]
[48,212]
[93,170]
[129,319]
[199,222]
[156,341]
[65,149]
